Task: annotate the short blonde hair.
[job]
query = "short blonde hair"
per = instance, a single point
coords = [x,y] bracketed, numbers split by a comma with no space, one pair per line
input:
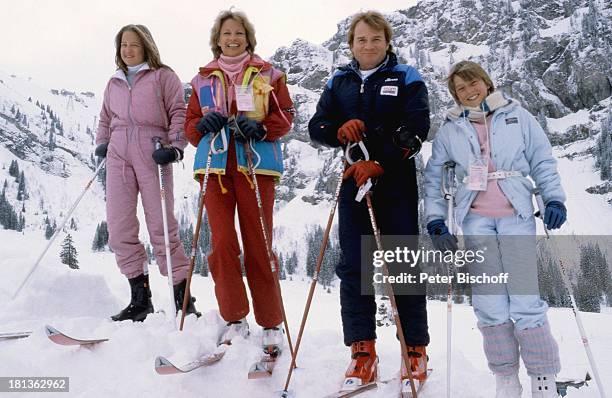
[376,21]
[238,16]
[468,71]
[151,53]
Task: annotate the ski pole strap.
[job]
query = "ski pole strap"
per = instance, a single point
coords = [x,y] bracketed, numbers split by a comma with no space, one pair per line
[349,149]
[224,143]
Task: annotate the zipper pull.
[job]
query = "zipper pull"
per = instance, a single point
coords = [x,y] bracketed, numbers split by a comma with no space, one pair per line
[361,89]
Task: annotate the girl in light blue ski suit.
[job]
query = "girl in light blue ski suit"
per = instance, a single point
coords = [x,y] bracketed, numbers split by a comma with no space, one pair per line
[496,144]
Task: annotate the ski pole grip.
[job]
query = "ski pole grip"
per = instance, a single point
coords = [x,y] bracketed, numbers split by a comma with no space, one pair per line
[540,203]
[157,142]
[350,146]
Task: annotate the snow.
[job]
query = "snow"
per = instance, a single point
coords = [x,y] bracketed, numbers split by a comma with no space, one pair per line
[79,302]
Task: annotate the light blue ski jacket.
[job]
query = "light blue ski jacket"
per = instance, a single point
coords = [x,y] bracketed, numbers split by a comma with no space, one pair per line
[517,142]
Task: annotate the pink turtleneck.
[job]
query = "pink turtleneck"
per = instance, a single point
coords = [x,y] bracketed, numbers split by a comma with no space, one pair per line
[233,68]
[492,202]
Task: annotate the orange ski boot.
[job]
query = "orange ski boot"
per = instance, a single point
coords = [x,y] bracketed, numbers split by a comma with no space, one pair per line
[364,365]
[418,365]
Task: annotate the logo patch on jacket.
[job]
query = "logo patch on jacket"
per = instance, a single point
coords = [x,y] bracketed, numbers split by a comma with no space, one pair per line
[389,90]
[391,79]
[512,120]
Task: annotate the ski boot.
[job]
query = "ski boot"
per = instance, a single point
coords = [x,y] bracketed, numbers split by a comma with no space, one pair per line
[418,365]
[273,337]
[179,293]
[363,368]
[232,330]
[508,386]
[140,306]
[543,386]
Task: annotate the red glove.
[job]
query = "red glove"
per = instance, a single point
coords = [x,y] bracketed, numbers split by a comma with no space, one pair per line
[363,170]
[351,131]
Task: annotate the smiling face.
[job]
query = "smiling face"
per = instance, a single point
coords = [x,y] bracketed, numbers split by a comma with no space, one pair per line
[369,46]
[132,50]
[232,38]
[470,93]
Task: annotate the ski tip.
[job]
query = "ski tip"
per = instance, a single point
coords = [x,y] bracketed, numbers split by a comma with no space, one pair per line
[51,331]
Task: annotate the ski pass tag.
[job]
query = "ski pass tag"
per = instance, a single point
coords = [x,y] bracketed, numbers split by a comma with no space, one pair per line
[244,98]
[477,176]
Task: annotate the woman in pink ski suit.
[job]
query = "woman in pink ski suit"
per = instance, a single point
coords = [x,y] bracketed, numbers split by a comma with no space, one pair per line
[143,100]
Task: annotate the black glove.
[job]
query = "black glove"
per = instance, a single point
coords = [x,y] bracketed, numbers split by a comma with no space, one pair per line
[101,150]
[408,141]
[248,128]
[440,237]
[165,155]
[211,123]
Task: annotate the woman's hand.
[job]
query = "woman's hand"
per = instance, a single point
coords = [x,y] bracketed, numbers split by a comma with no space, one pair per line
[248,128]
[211,123]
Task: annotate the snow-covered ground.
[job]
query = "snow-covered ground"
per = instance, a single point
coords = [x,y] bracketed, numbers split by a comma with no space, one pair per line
[80,301]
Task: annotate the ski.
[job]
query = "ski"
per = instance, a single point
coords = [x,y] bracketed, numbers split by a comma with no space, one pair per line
[563,384]
[164,366]
[354,391]
[406,391]
[14,335]
[265,366]
[63,339]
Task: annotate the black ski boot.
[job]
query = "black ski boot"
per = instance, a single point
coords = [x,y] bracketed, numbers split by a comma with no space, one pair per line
[179,293]
[141,304]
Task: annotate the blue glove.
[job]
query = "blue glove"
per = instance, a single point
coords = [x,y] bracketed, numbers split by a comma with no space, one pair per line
[248,128]
[440,237]
[555,214]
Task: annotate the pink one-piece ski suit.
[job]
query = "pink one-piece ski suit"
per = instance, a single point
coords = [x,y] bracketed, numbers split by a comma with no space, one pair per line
[154,106]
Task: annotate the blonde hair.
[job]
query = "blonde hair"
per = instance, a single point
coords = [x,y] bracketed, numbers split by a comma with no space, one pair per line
[376,21]
[239,17]
[468,71]
[151,53]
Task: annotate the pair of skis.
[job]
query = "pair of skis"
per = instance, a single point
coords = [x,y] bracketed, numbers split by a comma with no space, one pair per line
[54,335]
[349,390]
[262,368]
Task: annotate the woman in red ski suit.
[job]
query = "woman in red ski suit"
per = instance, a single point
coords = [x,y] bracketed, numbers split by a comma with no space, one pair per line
[239,100]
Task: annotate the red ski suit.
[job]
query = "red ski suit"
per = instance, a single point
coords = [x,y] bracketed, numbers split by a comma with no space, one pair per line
[231,188]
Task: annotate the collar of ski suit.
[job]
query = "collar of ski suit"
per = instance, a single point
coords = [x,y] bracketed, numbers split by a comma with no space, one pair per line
[389,62]
[495,101]
[255,61]
[120,74]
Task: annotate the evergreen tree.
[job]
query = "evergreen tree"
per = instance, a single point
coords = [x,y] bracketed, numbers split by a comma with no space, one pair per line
[49,229]
[14,169]
[604,149]
[69,253]
[588,289]
[280,263]
[21,190]
[291,263]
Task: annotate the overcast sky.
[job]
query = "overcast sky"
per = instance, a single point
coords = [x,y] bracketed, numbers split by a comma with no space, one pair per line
[69,43]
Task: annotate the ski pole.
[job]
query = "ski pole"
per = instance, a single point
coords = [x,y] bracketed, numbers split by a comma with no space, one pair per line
[568,286]
[59,229]
[391,295]
[162,192]
[449,189]
[267,242]
[313,284]
[196,234]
